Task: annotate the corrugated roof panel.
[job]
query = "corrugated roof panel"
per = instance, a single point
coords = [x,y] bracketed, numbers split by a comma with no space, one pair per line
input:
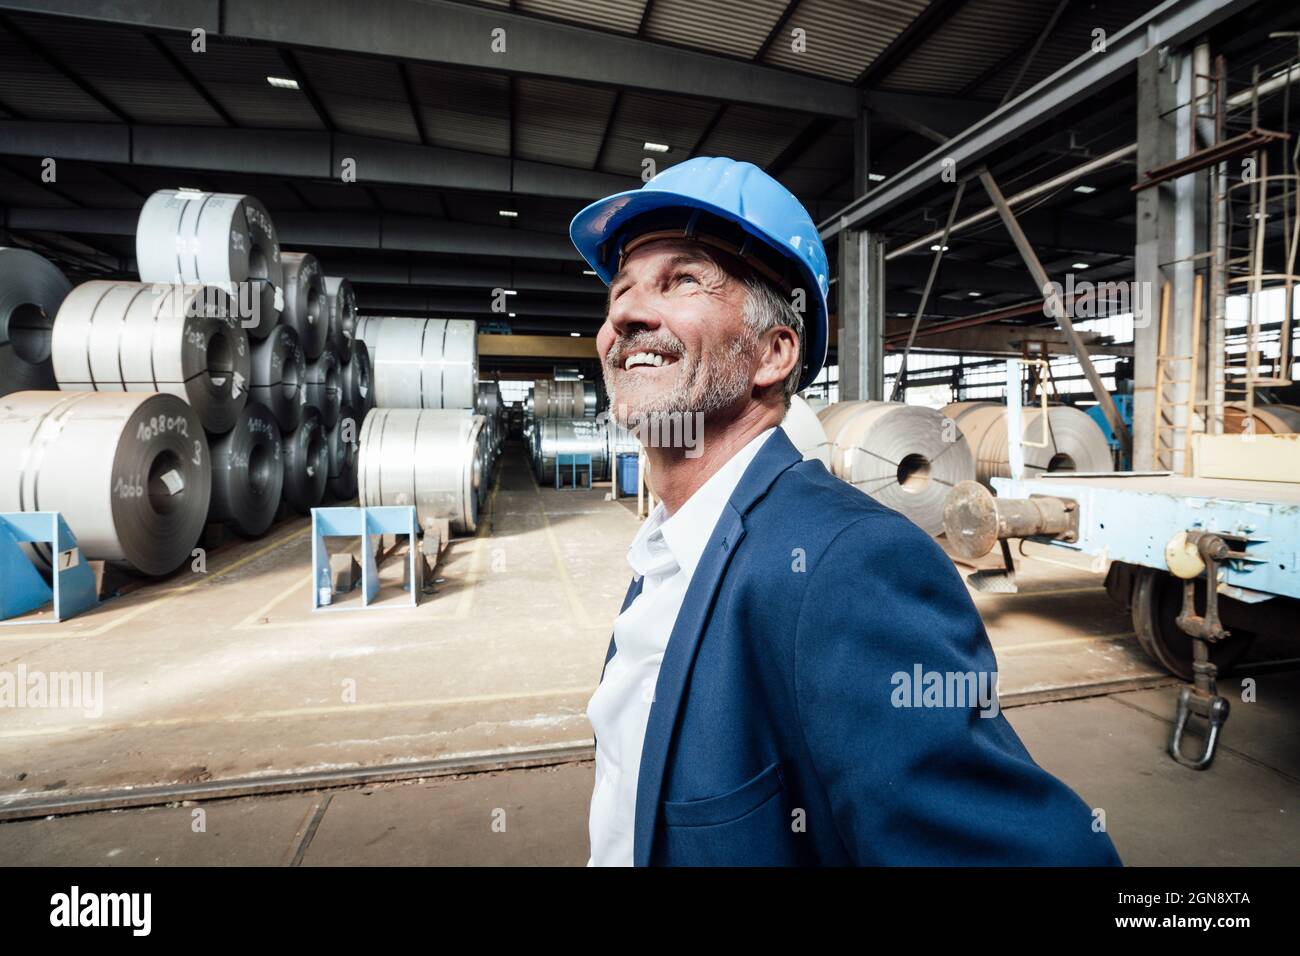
[363,96]
[558,122]
[621,16]
[841,37]
[331,195]
[124,68]
[1070,38]
[826,162]
[33,89]
[978,36]
[234,74]
[642,118]
[463,109]
[737,27]
[752,134]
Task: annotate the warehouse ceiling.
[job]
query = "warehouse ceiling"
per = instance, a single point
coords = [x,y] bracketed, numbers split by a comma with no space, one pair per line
[446,134]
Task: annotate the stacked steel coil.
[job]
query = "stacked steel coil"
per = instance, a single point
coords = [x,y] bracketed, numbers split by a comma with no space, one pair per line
[552,399]
[805,430]
[553,437]
[324,386]
[904,456]
[431,459]
[248,472]
[306,306]
[145,337]
[1263,419]
[279,372]
[356,378]
[342,316]
[129,471]
[31,291]
[343,441]
[422,363]
[221,239]
[1071,440]
[306,463]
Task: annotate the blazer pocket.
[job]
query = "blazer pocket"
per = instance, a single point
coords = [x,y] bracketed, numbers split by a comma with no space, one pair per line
[714,811]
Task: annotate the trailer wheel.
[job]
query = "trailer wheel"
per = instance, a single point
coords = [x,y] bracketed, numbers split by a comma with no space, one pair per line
[1157,599]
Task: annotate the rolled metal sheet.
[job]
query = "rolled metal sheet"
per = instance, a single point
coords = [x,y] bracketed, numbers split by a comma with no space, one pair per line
[185,340]
[570,436]
[306,306]
[130,472]
[427,458]
[902,455]
[31,290]
[357,379]
[280,377]
[221,239]
[324,387]
[248,472]
[552,399]
[422,363]
[805,431]
[306,463]
[344,445]
[342,315]
[1073,441]
[1265,419]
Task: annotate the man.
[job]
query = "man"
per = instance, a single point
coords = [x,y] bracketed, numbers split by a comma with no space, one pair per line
[749,711]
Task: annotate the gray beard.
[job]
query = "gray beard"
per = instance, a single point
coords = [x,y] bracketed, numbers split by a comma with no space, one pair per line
[696,392]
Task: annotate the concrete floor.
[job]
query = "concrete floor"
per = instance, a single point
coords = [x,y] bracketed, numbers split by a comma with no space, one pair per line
[228,675]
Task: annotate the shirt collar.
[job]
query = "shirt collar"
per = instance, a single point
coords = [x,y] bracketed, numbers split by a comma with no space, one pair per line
[680,540]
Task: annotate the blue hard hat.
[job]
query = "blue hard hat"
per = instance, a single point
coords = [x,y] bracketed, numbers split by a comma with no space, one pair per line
[712,195]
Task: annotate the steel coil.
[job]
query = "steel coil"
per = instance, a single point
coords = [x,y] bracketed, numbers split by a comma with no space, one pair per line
[422,363]
[221,239]
[1265,419]
[344,445]
[1073,441]
[128,470]
[248,472]
[570,436]
[342,316]
[150,337]
[427,458]
[357,379]
[306,463]
[31,290]
[279,377]
[324,390]
[306,307]
[553,399]
[805,431]
[901,455]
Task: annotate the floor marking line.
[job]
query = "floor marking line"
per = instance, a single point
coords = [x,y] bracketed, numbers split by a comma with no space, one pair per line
[466,600]
[323,710]
[1098,639]
[171,594]
[566,582]
[250,622]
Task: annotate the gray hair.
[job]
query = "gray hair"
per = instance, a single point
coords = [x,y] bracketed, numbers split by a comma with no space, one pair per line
[766,309]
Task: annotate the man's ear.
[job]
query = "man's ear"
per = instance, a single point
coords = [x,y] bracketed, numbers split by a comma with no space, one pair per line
[778,356]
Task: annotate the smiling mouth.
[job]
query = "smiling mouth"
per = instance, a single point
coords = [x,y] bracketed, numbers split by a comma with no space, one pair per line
[648,360]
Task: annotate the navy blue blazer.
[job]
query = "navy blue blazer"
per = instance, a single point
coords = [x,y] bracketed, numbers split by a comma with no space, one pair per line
[774,737]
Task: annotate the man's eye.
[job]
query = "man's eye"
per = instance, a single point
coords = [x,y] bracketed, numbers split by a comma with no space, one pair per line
[683,276]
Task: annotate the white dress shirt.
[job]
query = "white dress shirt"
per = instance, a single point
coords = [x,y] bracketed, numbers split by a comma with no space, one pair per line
[664,553]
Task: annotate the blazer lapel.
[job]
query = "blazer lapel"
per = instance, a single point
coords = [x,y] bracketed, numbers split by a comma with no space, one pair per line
[776,455]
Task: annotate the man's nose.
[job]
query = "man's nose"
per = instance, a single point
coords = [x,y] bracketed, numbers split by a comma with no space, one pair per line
[633,311]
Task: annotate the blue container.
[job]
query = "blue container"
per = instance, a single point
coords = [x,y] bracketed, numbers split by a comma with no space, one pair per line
[627,462]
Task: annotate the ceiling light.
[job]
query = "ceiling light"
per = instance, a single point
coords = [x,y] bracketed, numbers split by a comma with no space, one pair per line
[589,272]
[508,213]
[937,249]
[1078,265]
[656,147]
[576,335]
[282,82]
[875,177]
[1085,189]
[974,295]
[509,292]
[510,315]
